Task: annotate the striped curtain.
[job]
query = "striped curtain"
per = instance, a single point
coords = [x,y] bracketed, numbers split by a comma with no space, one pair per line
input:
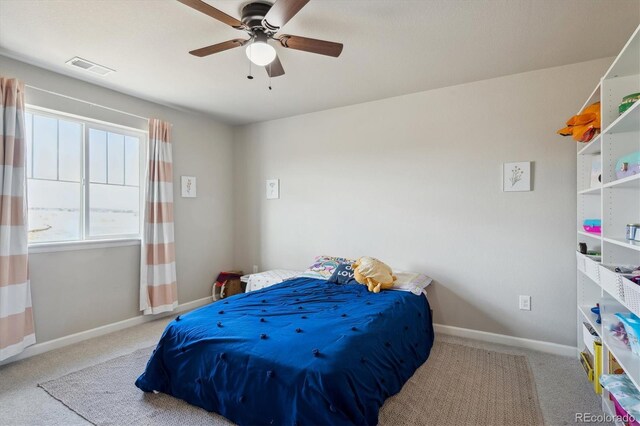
[158,290]
[16,317]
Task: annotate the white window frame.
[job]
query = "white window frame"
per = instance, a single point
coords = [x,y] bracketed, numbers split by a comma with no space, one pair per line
[87,241]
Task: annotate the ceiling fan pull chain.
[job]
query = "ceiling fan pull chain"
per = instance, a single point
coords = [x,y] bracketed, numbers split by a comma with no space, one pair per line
[250,77]
[270,76]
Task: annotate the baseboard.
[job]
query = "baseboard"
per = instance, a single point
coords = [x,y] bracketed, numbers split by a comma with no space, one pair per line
[61,342]
[538,345]
[39,348]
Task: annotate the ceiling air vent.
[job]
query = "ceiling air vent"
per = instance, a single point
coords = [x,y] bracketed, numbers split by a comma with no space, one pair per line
[89,66]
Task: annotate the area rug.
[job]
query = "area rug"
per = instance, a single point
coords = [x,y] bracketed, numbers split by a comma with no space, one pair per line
[458,385]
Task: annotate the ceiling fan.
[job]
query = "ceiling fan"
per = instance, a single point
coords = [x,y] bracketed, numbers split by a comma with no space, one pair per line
[262,21]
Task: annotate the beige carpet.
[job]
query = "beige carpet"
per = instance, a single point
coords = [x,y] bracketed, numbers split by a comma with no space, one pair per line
[458,385]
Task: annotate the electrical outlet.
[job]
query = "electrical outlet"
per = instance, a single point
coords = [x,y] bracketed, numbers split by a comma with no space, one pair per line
[525,303]
[255,269]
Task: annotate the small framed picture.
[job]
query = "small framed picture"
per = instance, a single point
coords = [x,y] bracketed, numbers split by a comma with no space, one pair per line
[516,176]
[273,189]
[188,184]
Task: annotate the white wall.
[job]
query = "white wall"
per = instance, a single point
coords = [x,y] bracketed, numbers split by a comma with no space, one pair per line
[79,290]
[416,181]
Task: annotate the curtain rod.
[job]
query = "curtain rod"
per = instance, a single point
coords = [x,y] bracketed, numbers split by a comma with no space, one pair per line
[86,102]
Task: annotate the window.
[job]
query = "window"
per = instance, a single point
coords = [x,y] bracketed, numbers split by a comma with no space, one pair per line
[83,179]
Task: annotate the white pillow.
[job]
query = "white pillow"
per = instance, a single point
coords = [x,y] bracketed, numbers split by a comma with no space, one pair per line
[411,281]
[268,278]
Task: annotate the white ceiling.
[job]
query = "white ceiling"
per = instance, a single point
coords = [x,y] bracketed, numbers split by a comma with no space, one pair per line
[392,47]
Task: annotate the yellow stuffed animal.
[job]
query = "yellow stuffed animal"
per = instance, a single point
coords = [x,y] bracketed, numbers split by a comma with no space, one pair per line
[376,275]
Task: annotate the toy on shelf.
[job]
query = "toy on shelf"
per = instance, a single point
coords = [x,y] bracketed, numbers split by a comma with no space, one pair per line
[592,226]
[633,278]
[614,365]
[582,248]
[584,126]
[596,310]
[592,361]
[625,269]
[587,363]
[628,165]
[592,365]
[618,331]
[627,101]
[633,275]
[632,326]
[633,232]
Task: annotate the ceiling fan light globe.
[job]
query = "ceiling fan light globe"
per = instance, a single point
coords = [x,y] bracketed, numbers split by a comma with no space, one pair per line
[261,53]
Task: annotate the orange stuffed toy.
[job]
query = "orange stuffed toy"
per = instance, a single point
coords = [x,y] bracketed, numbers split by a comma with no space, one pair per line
[584,126]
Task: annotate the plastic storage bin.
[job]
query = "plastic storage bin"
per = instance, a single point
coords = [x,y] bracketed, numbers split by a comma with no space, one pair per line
[622,412]
[632,327]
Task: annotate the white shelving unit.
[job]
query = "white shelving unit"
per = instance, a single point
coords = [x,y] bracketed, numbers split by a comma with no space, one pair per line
[617,203]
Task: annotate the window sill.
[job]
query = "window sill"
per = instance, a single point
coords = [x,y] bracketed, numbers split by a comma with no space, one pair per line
[82,245]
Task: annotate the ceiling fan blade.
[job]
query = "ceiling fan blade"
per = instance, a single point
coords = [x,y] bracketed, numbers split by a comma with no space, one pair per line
[220,47]
[207,9]
[274,69]
[312,45]
[281,12]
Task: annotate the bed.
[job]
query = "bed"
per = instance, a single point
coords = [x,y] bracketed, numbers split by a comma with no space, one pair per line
[302,352]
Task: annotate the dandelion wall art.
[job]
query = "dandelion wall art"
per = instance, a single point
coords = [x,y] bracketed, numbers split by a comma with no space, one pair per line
[516,176]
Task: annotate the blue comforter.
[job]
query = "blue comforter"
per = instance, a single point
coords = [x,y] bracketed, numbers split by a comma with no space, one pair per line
[303,352]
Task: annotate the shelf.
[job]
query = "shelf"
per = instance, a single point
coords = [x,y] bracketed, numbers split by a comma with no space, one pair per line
[591,148]
[616,202]
[627,122]
[587,234]
[591,191]
[591,318]
[622,242]
[628,182]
